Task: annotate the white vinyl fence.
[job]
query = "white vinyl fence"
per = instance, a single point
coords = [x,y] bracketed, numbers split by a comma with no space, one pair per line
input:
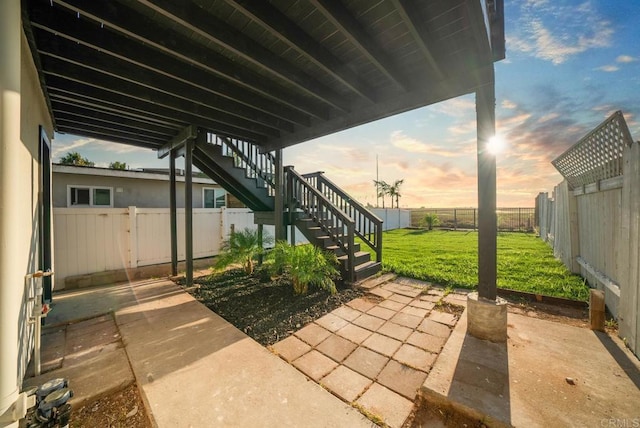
[89,240]
[393,218]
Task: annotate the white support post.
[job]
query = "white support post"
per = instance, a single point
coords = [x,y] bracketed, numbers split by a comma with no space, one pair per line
[133,237]
[15,212]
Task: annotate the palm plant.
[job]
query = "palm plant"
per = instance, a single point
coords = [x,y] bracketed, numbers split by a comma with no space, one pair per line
[382,187]
[394,191]
[243,247]
[431,220]
[306,265]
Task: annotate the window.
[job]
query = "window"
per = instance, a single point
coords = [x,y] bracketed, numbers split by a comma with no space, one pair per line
[213,198]
[85,196]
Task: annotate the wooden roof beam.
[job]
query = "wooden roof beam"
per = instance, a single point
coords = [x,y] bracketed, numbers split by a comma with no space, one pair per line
[140,27]
[217,31]
[349,26]
[277,23]
[114,136]
[94,60]
[61,67]
[82,33]
[188,133]
[148,107]
[409,14]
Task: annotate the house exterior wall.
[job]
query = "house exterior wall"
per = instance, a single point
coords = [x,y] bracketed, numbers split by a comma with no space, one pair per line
[139,192]
[22,111]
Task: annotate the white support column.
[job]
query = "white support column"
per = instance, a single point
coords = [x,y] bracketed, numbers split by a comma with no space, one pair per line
[11,201]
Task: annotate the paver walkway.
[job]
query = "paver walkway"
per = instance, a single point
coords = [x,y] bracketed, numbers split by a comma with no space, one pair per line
[376,351]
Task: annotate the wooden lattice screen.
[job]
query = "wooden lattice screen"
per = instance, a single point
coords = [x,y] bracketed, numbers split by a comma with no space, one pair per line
[598,155]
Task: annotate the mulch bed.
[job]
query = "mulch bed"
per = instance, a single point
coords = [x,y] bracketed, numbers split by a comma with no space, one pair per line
[266,310]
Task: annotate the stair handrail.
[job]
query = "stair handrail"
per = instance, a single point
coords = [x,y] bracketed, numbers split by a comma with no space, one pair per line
[317,205]
[368,226]
[248,156]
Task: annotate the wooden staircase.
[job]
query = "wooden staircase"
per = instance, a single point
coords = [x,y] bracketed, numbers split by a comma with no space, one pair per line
[322,212]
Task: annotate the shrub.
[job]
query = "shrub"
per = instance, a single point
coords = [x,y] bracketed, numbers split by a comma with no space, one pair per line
[305,265]
[242,247]
[431,220]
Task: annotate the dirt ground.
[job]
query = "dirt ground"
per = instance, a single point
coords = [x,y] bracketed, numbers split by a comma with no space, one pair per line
[122,409]
[268,311]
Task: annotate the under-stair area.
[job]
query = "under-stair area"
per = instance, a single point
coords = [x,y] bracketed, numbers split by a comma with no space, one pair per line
[327,216]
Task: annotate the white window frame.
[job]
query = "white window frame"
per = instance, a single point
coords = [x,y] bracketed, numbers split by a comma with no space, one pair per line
[91,189]
[216,192]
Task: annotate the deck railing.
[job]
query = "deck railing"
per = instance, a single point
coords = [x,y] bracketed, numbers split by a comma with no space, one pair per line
[339,225]
[368,226]
[247,156]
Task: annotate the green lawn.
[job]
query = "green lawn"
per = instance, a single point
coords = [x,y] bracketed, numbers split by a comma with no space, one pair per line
[450,258]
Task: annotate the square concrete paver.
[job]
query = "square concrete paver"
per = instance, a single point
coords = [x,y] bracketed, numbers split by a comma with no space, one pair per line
[395,331]
[406,320]
[331,322]
[347,313]
[369,322]
[400,299]
[390,304]
[361,304]
[423,304]
[315,365]
[427,341]
[336,347]
[430,298]
[402,379]
[382,344]
[434,328]
[443,318]
[383,313]
[312,334]
[415,357]
[346,383]
[412,310]
[388,405]
[354,333]
[381,292]
[366,362]
[291,348]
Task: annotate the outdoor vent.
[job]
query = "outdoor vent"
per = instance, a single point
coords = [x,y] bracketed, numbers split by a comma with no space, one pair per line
[598,155]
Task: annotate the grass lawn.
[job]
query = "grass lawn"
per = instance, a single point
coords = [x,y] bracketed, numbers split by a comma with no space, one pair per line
[450,258]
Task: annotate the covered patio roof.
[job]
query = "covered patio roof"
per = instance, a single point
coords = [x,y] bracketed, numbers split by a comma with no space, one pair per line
[275,73]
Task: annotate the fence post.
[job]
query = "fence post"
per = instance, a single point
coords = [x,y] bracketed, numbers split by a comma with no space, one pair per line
[133,237]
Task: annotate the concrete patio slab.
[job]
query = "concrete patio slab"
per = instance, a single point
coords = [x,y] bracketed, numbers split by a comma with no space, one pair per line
[415,357]
[434,328]
[337,348]
[427,341]
[547,374]
[291,348]
[369,322]
[402,379]
[382,344]
[380,312]
[391,407]
[400,298]
[354,333]
[395,331]
[346,383]
[331,322]
[361,304]
[366,362]
[443,318]
[315,365]
[390,304]
[313,334]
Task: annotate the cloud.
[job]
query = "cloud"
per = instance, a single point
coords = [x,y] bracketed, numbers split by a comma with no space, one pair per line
[609,68]
[556,31]
[508,104]
[412,145]
[623,59]
[60,150]
[456,107]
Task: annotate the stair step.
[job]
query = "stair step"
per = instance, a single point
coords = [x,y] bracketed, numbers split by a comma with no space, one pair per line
[367,269]
[359,258]
[339,252]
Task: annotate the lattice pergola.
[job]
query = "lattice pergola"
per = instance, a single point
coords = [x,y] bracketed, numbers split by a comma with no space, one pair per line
[598,155]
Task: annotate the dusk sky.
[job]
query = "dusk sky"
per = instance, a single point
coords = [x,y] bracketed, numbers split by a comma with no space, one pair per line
[570,64]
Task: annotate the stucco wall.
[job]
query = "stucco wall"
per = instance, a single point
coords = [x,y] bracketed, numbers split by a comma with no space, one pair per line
[20,203]
[141,193]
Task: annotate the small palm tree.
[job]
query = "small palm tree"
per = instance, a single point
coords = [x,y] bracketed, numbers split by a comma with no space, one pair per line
[383,189]
[431,220]
[306,265]
[394,191]
[242,247]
